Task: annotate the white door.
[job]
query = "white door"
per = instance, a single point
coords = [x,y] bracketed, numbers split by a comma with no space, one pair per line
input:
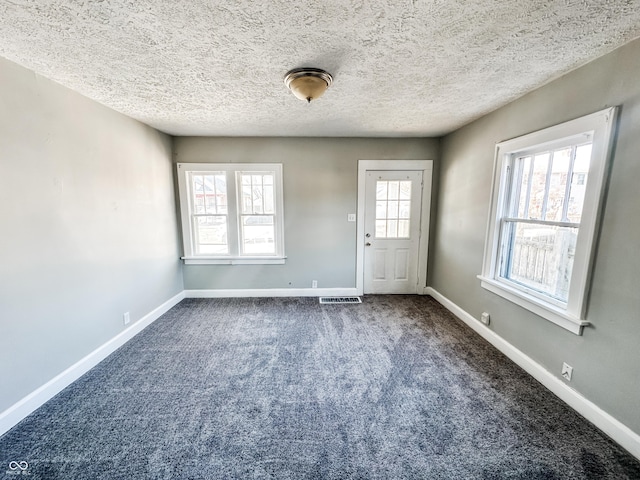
[393,202]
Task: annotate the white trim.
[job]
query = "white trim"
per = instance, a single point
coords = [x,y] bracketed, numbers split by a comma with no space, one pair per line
[600,127]
[615,429]
[27,405]
[234,261]
[271,292]
[619,432]
[19,410]
[395,165]
[543,309]
[234,231]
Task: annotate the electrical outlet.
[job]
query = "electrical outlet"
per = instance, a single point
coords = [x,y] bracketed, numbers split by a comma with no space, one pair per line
[567,371]
[126,318]
[485,318]
[314,284]
[351,217]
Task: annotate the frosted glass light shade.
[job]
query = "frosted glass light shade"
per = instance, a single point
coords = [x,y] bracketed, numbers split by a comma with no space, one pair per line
[308,83]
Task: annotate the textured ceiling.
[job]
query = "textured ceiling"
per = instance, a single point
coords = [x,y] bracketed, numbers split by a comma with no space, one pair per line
[400,67]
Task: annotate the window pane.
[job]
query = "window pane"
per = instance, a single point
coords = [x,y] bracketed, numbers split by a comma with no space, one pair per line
[392,228]
[258,234]
[583,158]
[392,209]
[389,208]
[403,228]
[405,190]
[544,264]
[558,184]
[381,190]
[209,184]
[209,194]
[198,184]
[394,190]
[258,209]
[579,183]
[404,209]
[198,193]
[257,193]
[210,203]
[523,200]
[538,185]
[247,199]
[268,198]
[541,257]
[220,181]
[238,219]
[199,204]
[211,235]
[258,204]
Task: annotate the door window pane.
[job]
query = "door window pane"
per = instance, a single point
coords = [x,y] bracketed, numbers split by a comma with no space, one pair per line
[394,190]
[393,208]
[392,228]
[405,190]
[404,209]
[403,228]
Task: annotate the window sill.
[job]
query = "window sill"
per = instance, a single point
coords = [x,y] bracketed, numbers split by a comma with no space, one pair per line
[547,311]
[233,260]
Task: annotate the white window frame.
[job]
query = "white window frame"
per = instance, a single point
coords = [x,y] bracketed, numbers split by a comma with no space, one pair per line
[599,127]
[234,257]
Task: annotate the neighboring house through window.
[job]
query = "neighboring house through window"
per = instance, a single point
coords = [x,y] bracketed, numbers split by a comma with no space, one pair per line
[544,217]
[231,213]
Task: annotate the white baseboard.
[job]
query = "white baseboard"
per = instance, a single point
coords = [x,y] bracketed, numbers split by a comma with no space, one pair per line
[18,411]
[615,429]
[272,292]
[619,432]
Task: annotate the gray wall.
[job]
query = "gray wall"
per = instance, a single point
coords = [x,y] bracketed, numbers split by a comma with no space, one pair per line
[606,359]
[88,227]
[320,189]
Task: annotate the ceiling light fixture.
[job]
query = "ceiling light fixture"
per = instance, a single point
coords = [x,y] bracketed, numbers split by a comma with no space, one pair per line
[308,83]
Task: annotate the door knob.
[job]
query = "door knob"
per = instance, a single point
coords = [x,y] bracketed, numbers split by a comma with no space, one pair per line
[368,244]
[368,235]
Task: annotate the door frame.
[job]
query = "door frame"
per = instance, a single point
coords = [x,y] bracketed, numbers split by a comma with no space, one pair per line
[365,166]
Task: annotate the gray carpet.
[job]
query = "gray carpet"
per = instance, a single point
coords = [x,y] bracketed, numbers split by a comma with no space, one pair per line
[285,388]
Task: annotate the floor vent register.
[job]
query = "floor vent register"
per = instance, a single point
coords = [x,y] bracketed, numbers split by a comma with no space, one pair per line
[340,300]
